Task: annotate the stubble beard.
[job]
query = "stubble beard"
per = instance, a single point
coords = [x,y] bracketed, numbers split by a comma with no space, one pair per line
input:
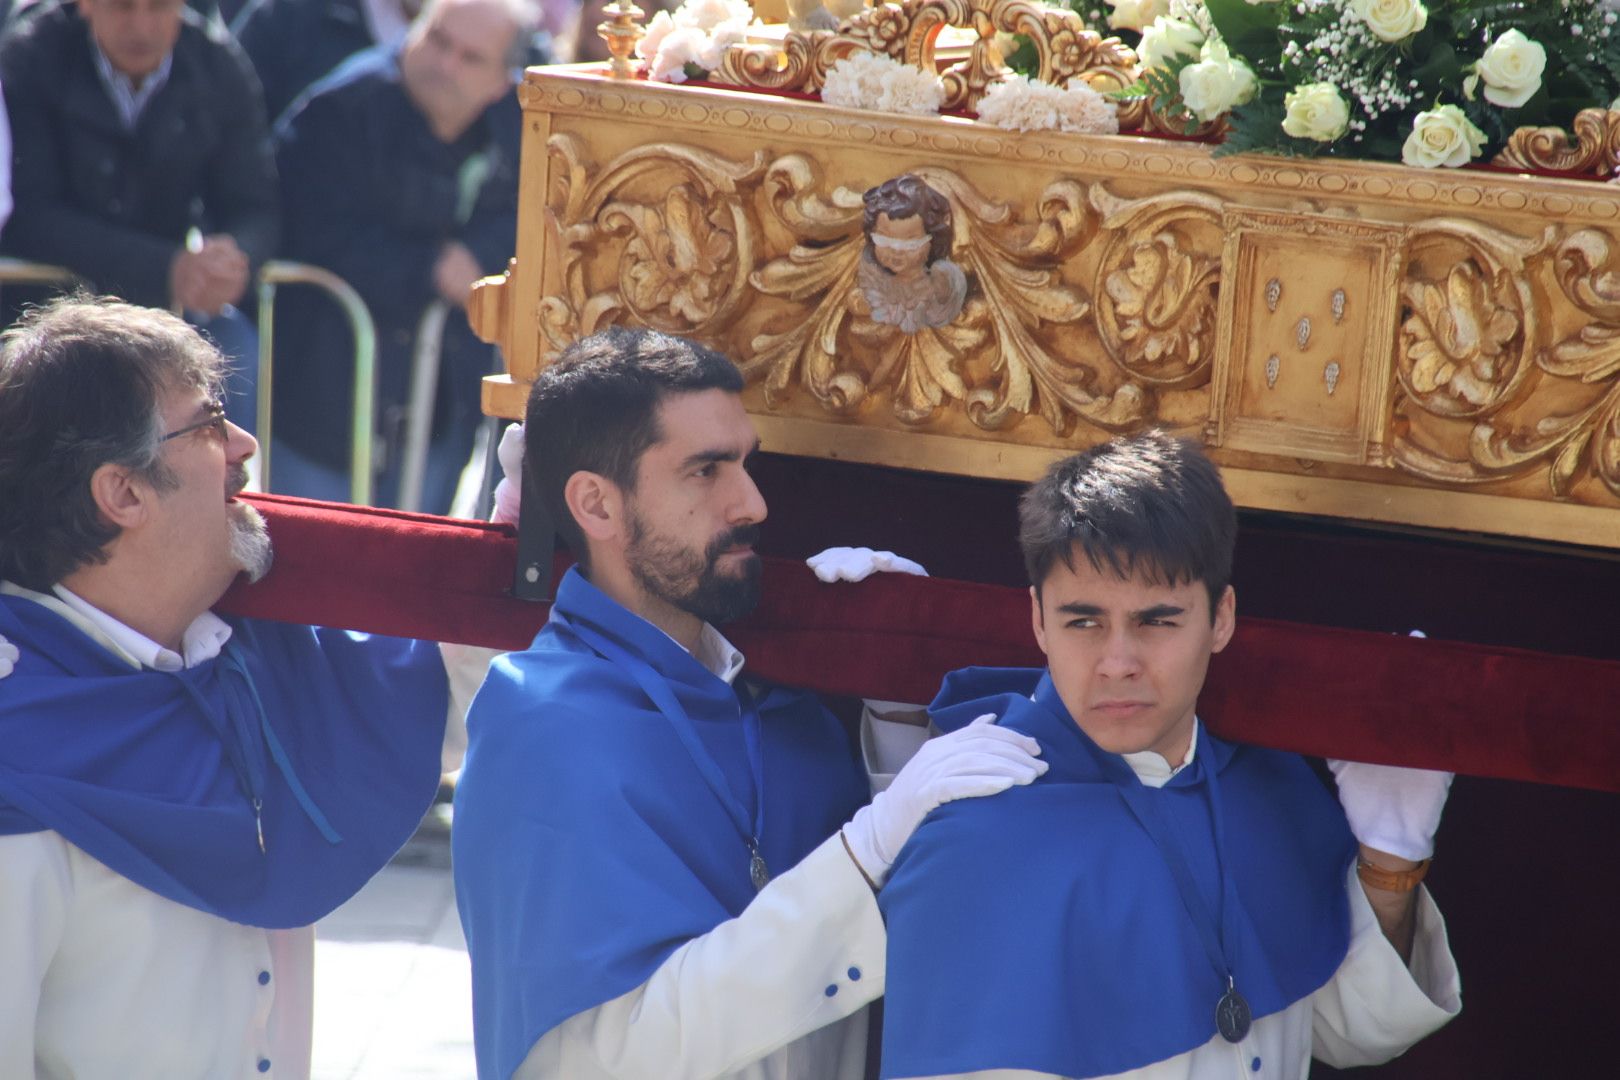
[690,580]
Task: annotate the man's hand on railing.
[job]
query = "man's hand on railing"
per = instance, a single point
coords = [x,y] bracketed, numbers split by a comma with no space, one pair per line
[454,273]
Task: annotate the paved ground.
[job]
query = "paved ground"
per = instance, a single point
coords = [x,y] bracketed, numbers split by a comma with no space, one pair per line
[392,996]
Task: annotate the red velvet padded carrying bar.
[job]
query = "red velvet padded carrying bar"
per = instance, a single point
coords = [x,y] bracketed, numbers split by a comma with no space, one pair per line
[1480,711]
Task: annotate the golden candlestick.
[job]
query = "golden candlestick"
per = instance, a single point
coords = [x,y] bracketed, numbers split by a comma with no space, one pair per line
[621,32]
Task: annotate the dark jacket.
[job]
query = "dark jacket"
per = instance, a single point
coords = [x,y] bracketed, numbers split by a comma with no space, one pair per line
[112,205]
[293,43]
[372,195]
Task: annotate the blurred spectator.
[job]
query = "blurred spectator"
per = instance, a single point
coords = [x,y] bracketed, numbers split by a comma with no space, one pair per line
[142,161]
[292,43]
[399,173]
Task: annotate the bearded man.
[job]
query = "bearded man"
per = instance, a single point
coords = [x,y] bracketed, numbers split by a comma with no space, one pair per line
[662,865]
[181,795]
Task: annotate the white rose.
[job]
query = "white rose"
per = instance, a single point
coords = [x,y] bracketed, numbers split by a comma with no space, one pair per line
[1136,14]
[1391,20]
[1511,69]
[1217,83]
[1166,39]
[1442,136]
[1316,111]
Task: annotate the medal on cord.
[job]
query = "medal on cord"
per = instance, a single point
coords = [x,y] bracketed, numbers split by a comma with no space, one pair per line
[658,691]
[1233,1018]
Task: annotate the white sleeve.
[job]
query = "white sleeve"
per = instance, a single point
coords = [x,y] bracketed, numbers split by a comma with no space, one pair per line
[1377,1007]
[807,952]
[35,890]
[465,666]
[886,745]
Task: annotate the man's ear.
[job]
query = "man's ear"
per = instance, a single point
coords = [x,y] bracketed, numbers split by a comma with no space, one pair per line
[1035,617]
[122,496]
[597,505]
[1225,619]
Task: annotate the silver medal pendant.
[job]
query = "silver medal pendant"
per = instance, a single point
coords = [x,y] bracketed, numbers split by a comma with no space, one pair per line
[758,872]
[1232,1016]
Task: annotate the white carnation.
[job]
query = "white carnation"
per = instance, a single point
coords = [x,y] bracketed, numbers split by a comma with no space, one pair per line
[871,81]
[1391,20]
[1135,14]
[1019,104]
[721,38]
[657,30]
[708,14]
[1082,109]
[681,46]
[1511,69]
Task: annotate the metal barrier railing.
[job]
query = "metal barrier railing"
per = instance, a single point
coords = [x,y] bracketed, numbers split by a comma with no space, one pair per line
[279,272]
[23,272]
[426,353]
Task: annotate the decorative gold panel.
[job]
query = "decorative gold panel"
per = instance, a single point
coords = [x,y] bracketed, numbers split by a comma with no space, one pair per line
[1308,373]
[1429,347]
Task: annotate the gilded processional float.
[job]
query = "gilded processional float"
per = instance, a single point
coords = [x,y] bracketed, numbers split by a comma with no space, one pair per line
[1428,346]
[917,231]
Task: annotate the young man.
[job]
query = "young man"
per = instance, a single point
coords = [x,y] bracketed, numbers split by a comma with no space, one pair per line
[181,796]
[648,853]
[1185,907]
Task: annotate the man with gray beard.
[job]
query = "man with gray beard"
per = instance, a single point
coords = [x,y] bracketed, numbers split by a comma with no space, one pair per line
[181,795]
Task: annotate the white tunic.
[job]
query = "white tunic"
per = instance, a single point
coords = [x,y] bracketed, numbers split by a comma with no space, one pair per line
[106,979]
[102,979]
[778,993]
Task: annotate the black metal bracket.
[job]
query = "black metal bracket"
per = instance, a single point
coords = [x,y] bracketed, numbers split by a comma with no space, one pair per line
[537,544]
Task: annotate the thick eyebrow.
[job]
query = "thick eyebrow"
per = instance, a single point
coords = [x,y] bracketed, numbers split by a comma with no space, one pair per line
[710,457]
[1157,611]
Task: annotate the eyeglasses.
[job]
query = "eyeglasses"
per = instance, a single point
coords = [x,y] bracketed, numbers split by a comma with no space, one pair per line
[215,420]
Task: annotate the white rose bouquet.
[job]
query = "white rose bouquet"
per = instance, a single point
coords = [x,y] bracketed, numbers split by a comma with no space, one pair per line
[1429,82]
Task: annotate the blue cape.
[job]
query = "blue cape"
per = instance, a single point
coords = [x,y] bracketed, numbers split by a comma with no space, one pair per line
[588,846]
[146,771]
[1040,929]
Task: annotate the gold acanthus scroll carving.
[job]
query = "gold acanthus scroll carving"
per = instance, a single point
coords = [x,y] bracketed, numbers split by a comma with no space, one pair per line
[674,238]
[1473,349]
[906,31]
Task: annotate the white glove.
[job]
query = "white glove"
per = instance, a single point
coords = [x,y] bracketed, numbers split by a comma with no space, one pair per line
[1390,808]
[858,564]
[980,759]
[509,492]
[8,656]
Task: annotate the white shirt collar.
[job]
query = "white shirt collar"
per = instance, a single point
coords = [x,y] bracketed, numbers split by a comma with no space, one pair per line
[203,639]
[718,655]
[1153,769]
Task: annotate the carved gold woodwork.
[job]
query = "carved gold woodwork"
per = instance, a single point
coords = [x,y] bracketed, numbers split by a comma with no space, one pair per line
[906,31]
[1294,377]
[1430,347]
[1593,147]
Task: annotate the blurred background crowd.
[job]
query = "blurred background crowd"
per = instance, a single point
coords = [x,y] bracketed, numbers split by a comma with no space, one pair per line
[166,152]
